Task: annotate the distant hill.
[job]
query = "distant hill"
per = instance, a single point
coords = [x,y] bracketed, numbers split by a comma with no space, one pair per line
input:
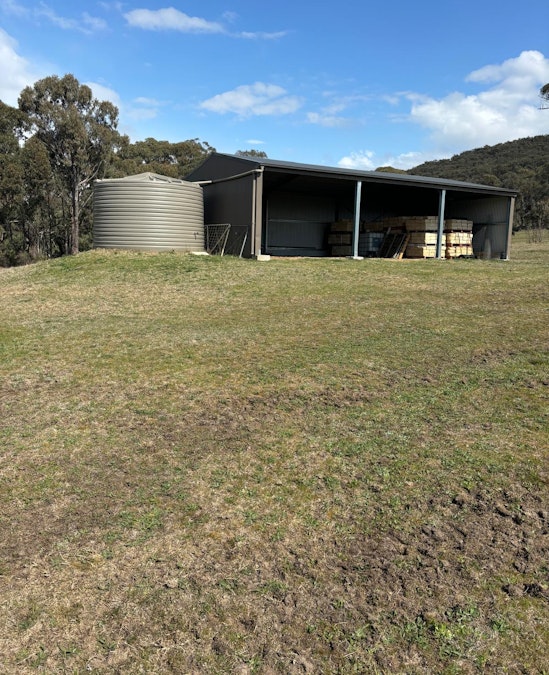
[515,164]
[521,165]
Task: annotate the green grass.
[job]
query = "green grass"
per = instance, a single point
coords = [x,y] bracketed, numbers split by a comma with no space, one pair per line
[218,465]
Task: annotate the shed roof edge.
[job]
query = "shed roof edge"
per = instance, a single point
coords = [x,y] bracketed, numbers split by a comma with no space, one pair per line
[369,176]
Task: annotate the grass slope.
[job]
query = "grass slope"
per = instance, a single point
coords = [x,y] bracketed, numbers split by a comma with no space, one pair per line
[220,466]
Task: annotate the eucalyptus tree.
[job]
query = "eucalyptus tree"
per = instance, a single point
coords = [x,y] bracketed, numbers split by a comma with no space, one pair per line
[42,215]
[11,183]
[256,154]
[170,159]
[79,133]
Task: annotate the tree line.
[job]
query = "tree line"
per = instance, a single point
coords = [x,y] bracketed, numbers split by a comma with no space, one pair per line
[53,145]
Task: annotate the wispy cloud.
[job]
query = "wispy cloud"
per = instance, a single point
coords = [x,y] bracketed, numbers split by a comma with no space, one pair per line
[144,100]
[85,23]
[262,35]
[171,19]
[112,6]
[93,23]
[145,108]
[326,119]
[340,111]
[139,109]
[14,8]
[253,99]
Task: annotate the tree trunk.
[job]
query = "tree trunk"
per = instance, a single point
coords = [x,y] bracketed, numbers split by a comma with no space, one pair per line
[75,217]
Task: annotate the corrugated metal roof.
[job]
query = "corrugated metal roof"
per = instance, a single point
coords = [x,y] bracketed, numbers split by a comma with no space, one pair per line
[369,176]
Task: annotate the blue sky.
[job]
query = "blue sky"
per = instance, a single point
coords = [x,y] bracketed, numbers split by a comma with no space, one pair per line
[358,84]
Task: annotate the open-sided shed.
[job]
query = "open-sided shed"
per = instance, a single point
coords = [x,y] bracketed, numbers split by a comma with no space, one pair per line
[289,209]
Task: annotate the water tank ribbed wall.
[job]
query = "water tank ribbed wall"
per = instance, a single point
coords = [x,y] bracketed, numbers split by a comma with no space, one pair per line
[148,212]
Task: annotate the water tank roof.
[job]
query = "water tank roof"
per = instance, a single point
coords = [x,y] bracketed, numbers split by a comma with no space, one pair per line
[146,177]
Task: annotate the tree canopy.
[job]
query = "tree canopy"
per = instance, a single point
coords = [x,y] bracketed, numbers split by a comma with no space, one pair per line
[259,154]
[170,159]
[79,134]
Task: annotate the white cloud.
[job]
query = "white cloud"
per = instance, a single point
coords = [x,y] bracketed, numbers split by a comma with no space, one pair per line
[253,99]
[527,69]
[171,19]
[361,161]
[505,111]
[103,93]
[16,73]
[141,108]
[407,160]
[367,160]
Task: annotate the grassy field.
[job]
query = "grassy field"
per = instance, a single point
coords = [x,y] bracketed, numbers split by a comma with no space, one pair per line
[215,465]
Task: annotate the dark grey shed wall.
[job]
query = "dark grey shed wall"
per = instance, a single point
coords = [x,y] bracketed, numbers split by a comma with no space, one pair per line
[298,223]
[231,202]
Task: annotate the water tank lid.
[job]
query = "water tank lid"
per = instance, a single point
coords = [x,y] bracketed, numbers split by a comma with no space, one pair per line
[145,177]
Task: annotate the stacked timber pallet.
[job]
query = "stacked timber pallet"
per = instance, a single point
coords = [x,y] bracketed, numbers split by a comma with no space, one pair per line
[423,237]
[411,236]
[459,238]
[457,241]
[340,238]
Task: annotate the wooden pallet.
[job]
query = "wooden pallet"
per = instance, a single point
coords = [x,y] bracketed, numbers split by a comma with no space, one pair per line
[459,238]
[458,224]
[417,251]
[459,251]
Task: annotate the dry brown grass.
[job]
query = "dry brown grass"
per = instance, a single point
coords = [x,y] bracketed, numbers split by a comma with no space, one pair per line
[220,466]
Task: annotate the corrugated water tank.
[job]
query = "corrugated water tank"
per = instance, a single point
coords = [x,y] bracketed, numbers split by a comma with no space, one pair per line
[148,212]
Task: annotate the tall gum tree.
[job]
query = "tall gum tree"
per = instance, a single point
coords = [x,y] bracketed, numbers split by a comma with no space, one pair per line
[79,133]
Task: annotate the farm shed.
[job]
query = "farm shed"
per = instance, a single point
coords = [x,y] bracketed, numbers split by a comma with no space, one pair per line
[290,209]
[148,212]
